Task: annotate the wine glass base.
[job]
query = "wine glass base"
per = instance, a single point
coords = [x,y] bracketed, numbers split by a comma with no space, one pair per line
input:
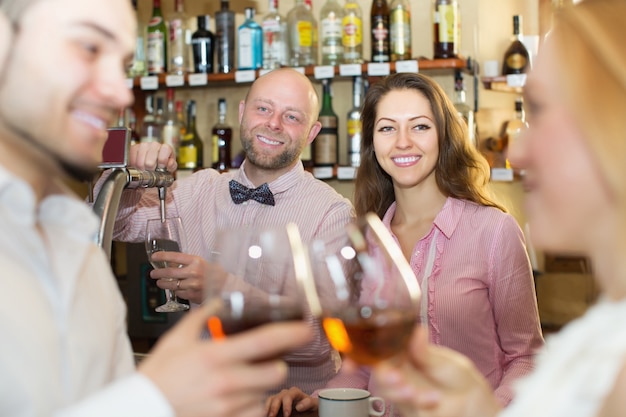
[171,307]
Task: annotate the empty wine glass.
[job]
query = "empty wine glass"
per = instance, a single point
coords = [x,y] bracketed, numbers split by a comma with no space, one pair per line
[259,276]
[166,235]
[369,293]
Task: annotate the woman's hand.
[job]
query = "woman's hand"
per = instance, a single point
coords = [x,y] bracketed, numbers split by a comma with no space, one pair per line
[289,399]
[432,381]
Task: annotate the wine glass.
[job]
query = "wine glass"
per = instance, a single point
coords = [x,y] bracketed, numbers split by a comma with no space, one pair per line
[258,275]
[166,235]
[369,293]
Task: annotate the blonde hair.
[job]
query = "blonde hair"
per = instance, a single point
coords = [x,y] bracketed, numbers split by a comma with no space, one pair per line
[591,49]
[13,9]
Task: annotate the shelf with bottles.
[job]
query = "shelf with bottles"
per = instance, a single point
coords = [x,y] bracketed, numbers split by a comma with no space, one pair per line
[516,62]
[512,83]
[495,148]
[371,69]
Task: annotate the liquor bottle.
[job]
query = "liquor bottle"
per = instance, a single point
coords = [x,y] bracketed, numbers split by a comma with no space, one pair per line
[309,5]
[150,128]
[306,156]
[127,118]
[180,118]
[379,24]
[170,130]
[160,109]
[516,59]
[327,140]
[190,150]
[122,118]
[331,20]
[515,126]
[225,33]
[400,28]
[138,66]
[509,131]
[352,35]
[300,27]
[446,28]
[222,136]
[202,45]
[179,40]
[249,43]
[354,123]
[157,41]
[463,109]
[132,125]
[274,38]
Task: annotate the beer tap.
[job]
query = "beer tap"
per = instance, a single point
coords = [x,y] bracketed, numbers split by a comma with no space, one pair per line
[162,194]
[121,177]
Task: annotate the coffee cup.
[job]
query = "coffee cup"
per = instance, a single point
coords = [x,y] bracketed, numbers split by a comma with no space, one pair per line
[349,402]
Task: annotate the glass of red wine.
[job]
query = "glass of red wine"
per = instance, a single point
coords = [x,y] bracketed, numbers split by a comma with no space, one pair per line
[369,293]
[258,276]
[166,235]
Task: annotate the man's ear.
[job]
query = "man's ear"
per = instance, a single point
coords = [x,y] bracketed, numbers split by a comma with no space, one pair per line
[5,38]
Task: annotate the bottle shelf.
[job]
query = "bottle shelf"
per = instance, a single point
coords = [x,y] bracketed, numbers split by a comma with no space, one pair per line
[337,172]
[370,69]
[505,83]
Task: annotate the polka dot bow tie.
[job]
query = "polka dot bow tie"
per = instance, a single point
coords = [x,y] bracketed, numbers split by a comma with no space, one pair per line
[240,193]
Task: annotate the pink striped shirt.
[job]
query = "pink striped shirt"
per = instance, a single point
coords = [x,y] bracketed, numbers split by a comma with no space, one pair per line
[481,295]
[203,202]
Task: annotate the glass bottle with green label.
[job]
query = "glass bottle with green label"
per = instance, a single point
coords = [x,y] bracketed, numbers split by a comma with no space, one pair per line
[157,41]
[326,143]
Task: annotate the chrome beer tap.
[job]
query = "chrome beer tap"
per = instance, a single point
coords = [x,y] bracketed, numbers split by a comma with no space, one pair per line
[162,194]
[106,204]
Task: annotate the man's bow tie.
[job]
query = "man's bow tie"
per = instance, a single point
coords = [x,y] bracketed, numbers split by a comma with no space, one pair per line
[240,193]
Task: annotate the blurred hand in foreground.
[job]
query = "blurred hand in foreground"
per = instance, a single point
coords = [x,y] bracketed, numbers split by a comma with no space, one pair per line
[433,381]
[222,378]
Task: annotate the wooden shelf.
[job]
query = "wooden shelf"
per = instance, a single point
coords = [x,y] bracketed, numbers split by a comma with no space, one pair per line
[219,79]
[505,84]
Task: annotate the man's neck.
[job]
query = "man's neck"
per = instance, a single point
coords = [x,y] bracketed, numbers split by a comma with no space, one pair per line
[30,164]
[258,175]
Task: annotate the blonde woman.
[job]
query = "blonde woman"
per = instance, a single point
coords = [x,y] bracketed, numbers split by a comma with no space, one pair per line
[573,156]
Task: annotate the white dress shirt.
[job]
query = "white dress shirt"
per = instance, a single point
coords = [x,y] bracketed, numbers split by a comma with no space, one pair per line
[64,350]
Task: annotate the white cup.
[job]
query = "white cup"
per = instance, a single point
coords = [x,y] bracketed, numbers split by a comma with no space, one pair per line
[349,402]
[491,68]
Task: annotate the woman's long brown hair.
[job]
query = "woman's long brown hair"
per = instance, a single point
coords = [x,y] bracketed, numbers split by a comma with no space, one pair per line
[461,172]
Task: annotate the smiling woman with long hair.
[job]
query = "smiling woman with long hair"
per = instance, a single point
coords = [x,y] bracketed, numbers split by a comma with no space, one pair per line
[461,171]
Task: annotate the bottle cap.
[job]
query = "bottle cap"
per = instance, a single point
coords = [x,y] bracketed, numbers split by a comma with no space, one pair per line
[517,22]
[204,21]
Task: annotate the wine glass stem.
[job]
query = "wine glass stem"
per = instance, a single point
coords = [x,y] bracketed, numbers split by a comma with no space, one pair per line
[171,296]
